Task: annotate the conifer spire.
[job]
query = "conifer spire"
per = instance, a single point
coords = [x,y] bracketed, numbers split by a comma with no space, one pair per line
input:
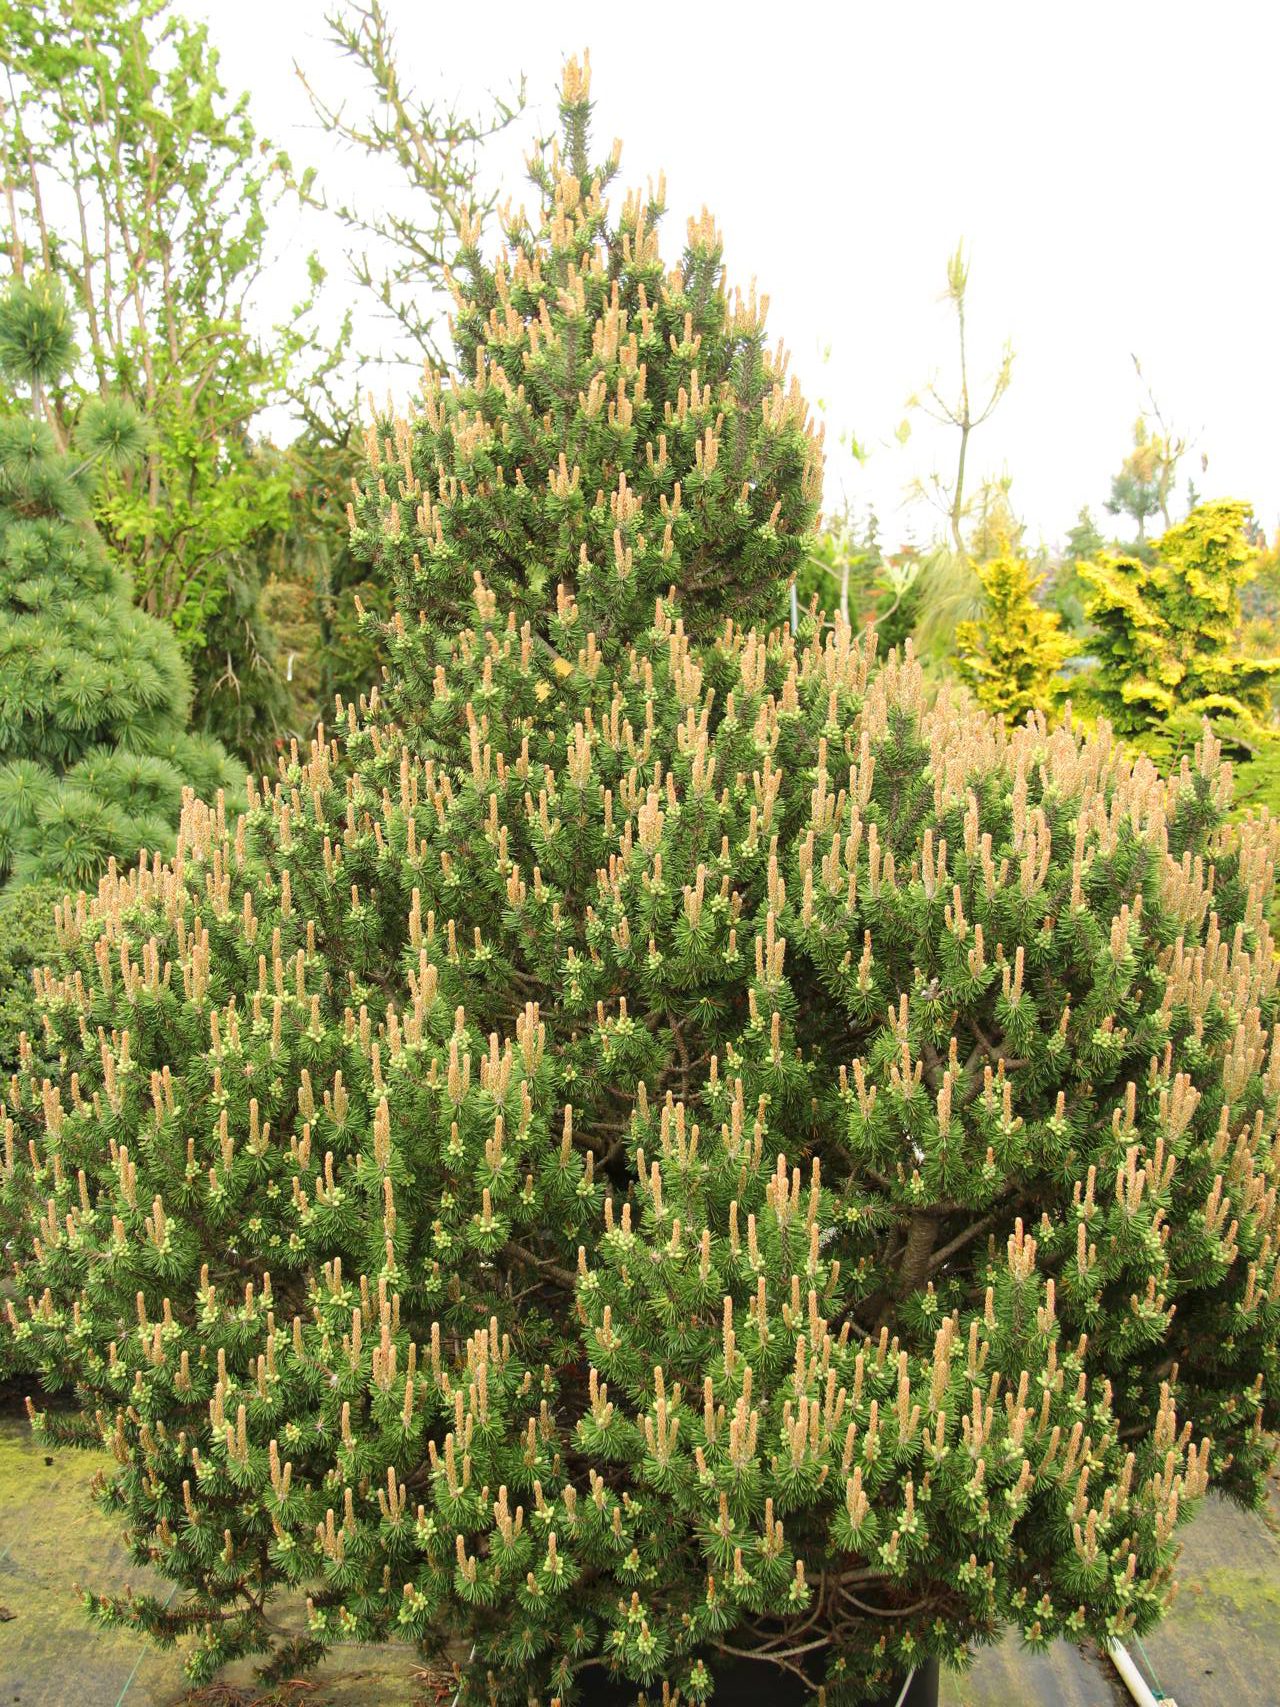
[613,427]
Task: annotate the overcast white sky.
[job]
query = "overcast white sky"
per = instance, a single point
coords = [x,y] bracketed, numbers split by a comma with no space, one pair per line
[1112,168]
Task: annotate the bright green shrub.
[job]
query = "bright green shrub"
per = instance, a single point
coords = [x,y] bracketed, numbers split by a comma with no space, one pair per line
[1172,648]
[141,182]
[1011,656]
[1166,633]
[660,1151]
[94,753]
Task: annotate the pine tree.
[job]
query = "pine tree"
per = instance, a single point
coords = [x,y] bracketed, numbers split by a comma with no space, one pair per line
[94,754]
[1136,491]
[638,1148]
[1011,657]
[1084,544]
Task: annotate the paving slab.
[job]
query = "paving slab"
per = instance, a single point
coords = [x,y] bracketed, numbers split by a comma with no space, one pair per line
[1069,1675]
[1220,1647]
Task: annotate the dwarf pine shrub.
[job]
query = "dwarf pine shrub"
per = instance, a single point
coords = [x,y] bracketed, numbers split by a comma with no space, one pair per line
[642,1149]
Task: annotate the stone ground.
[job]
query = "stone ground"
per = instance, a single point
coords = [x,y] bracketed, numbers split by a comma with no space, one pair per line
[1220,1648]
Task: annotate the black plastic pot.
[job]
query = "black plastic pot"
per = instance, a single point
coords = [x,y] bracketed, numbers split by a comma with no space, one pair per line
[742,1683]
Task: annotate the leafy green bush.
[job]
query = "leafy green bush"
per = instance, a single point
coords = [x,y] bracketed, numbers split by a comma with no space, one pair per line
[142,185]
[640,1149]
[1172,648]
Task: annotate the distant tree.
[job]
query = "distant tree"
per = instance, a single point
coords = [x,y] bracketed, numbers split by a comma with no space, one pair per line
[1136,489]
[1084,542]
[1067,590]
[958,410]
[1145,483]
[947,590]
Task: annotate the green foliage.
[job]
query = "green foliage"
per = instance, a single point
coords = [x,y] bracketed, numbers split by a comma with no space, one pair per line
[37,344]
[1257,774]
[94,754]
[643,1146]
[842,568]
[138,185]
[1068,591]
[28,941]
[845,572]
[1012,656]
[947,593]
[318,586]
[242,698]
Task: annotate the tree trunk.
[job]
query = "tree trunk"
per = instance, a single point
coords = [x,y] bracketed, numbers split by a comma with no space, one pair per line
[921,1238]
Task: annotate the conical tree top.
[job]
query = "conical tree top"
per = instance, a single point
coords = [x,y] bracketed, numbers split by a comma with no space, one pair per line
[612,429]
